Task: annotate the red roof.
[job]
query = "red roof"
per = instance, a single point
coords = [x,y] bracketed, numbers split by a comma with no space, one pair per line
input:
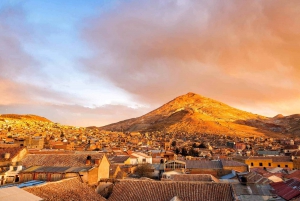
[287,190]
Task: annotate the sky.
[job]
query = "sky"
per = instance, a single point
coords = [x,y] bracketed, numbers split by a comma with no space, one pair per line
[91,63]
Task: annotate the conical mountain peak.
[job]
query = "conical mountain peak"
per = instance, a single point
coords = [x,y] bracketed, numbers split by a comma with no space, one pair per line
[191,113]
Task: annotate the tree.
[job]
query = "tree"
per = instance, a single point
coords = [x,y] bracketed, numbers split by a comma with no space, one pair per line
[202,145]
[184,151]
[193,152]
[143,170]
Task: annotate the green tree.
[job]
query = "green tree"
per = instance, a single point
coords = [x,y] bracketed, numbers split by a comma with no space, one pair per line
[144,170]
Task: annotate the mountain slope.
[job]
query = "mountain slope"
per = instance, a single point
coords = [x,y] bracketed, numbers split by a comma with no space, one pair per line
[195,113]
[25,117]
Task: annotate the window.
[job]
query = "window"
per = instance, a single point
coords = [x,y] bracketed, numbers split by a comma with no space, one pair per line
[269,164]
[260,164]
[251,164]
[286,166]
[278,165]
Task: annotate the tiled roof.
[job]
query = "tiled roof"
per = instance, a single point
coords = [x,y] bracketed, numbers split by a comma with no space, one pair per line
[195,164]
[118,159]
[251,189]
[13,151]
[139,154]
[164,191]
[253,177]
[194,177]
[65,190]
[295,174]
[112,169]
[61,160]
[291,147]
[273,158]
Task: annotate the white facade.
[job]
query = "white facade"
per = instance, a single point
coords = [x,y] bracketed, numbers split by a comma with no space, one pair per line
[142,158]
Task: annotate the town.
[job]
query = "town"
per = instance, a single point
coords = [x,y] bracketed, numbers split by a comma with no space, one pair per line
[37,156]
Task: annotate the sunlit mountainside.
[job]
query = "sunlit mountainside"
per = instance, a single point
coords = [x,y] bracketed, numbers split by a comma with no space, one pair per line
[24,117]
[195,113]
[190,113]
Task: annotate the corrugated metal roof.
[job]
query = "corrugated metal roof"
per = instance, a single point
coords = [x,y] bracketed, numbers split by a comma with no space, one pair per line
[79,169]
[288,189]
[193,164]
[56,169]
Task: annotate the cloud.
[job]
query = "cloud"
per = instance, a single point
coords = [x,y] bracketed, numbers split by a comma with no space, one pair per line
[22,80]
[239,52]
[14,60]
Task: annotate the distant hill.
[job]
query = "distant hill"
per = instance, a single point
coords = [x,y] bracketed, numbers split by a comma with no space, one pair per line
[195,113]
[27,117]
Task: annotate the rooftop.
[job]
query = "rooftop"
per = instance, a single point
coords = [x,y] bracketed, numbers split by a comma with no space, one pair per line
[65,190]
[147,190]
[61,160]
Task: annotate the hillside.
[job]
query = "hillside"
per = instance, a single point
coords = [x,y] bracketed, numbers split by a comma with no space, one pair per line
[24,117]
[195,113]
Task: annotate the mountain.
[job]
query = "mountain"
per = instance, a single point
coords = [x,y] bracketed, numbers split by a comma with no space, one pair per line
[24,117]
[194,113]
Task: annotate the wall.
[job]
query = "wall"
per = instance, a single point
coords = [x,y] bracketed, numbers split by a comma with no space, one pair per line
[236,168]
[103,169]
[92,176]
[20,155]
[269,163]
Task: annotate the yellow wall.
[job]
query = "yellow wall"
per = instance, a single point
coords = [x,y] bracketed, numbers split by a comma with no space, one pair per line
[103,169]
[127,162]
[268,163]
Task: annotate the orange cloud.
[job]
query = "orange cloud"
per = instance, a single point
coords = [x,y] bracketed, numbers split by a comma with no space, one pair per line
[240,52]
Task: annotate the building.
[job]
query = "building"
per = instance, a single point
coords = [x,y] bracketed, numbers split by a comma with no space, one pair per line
[270,161]
[10,164]
[216,168]
[34,142]
[175,165]
[142,158]
[48,173]
[95,160]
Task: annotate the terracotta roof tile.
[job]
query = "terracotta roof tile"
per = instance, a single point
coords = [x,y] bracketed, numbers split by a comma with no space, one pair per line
[195,177]
[164,191]
[61,160]
[13,151]
[65,190]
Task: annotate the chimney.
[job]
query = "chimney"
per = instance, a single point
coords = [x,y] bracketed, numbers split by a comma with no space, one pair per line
[88,160]
[7,156]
